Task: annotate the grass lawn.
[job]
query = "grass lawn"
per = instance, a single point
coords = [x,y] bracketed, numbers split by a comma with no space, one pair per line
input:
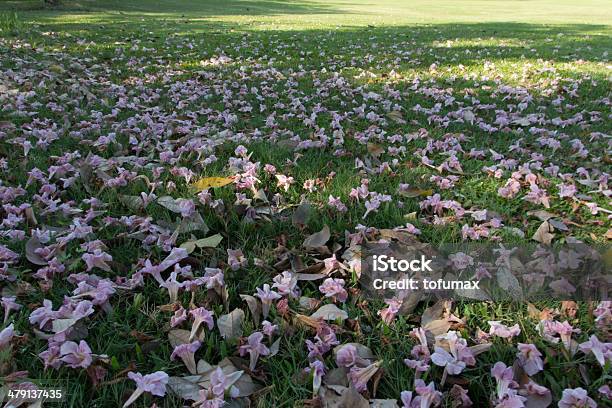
[105,102]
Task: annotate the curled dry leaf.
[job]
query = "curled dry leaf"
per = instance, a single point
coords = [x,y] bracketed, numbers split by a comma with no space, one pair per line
[254,307]
[318,239]
[31,246]
[329,312]
[301,215]
[543,234]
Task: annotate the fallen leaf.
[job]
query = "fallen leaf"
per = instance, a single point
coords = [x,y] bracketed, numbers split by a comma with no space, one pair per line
[212,182]
[329,312]
[209,242]
[132,202]
[178,336]
[301,215]
[412,192]
[318,239]
[169,203]
[31,246]
[542,215]
[396,116]
[375,150]
[186,388]
[543,234]
[230,325]
[275,347]
[254,307]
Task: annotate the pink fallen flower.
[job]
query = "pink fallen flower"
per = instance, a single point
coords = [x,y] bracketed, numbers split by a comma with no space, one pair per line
[530,358]
[601,351]
[266,296]
[460,355]
[51,357]
[286,284]
[505,381]
[388,314]
[186,207]
[97,259]
[179,317]
[334,288]
[8,303]
[359,377]
[427,393]
[317,369]
[236,259]
[76,355]
[154,383]
[408,401]
[576,398]
[220,384]
[173,287]
[503,331]
[269,329]
[186,352]
[200,315]
[255,348]
[6,335]
[460,397]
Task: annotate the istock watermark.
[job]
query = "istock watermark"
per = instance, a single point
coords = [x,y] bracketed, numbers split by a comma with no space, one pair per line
[494,272]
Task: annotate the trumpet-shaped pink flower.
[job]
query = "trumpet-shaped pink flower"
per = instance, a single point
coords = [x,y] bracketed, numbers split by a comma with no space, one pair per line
[359,376]
[317,369]
[186,207]
[286,284]
[220,384]
[388,314]
[186,352]
[503,331]
[76,355]
[255,348]
[97,259]
[601,351]
[334,288]
[459,356]
[9,304]
[179,317]
[266,296]
[173,287]
[504,377]
[530,358]
[268,328]
[576,398]
[236,259]
[51,357]
[429,397]
[6,335]
[347,356]
[200,315]
[154,383]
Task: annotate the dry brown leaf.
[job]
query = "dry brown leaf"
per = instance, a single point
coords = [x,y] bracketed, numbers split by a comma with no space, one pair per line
[543,234]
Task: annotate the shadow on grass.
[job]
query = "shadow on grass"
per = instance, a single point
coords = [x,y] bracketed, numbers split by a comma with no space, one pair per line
[178,8]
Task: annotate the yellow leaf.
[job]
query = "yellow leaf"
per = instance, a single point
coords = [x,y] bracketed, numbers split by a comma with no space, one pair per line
[212,182]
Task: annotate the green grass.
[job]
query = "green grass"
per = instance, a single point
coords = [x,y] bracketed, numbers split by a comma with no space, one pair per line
[475,46]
